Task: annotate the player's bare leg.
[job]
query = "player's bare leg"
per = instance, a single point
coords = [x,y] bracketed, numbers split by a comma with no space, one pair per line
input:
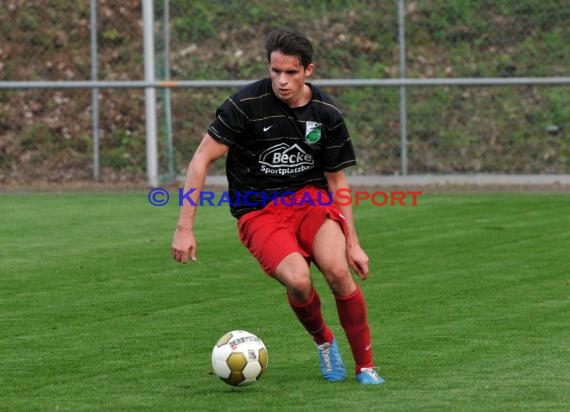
[329,252]
[293,272]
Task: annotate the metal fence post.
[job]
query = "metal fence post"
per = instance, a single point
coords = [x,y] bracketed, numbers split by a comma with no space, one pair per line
[166,92]
[403,105]
[150,95]
[94,92]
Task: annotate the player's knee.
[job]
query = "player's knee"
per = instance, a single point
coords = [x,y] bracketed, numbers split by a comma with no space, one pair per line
[300,287]
[340,280]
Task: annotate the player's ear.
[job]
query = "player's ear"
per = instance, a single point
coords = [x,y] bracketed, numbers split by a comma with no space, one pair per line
[309,69]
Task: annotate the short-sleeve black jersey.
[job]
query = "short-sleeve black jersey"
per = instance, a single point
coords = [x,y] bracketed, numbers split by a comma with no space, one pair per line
[274,148]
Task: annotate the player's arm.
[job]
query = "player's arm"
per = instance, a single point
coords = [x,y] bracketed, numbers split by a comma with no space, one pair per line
[357,258]
[183,242]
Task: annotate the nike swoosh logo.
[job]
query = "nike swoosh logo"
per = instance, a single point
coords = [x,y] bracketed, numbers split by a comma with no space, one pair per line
[368,347]
[267,128]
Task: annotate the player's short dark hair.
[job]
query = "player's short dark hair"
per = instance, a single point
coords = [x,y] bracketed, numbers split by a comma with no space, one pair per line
[291,43]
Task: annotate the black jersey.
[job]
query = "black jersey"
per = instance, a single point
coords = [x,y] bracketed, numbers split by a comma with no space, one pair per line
[274,148]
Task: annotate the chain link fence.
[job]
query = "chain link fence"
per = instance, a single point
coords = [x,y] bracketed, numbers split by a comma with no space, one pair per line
[46,134]
[521,129]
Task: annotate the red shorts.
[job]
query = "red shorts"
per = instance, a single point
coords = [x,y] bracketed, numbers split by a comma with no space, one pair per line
[287,225]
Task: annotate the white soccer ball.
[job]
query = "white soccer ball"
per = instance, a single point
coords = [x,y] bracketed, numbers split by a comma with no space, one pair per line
[239,358]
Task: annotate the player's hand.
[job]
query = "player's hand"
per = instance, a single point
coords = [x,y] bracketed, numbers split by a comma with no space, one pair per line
[358,261]
[183,246]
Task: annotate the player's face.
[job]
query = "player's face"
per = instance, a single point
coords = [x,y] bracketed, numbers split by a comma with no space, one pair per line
[288,78]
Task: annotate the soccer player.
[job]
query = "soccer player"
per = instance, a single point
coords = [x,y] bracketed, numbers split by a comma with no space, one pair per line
[287,145]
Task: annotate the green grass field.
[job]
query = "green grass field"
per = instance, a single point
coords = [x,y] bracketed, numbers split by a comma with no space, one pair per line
[469,304]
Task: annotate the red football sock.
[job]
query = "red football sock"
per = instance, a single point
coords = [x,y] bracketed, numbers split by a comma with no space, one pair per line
[311,317]
[352,314]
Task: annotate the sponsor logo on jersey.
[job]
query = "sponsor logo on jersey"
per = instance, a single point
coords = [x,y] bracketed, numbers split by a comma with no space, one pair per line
[283,159]
[312,132]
